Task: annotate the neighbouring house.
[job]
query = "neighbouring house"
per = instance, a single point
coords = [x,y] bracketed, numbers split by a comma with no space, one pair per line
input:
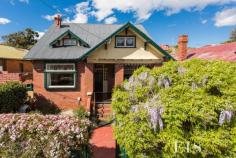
[12,65]
[165,47]
[80,64]
[225,51]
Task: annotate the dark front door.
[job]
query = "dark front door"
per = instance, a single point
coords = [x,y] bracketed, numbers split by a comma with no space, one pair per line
[104,81]
[98,75]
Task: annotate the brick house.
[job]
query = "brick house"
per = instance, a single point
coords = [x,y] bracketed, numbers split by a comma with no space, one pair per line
[12,65]
[79,64]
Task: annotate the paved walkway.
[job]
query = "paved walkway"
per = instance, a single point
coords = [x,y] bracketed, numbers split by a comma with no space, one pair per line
[103,144]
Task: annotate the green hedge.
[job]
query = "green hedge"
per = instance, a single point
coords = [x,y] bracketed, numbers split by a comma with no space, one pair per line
[182,109]
[12,96]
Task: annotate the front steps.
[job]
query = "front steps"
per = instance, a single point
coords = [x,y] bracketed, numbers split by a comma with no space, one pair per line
[104,112]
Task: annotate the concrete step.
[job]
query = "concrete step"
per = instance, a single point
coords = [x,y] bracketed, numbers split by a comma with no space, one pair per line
[104,108]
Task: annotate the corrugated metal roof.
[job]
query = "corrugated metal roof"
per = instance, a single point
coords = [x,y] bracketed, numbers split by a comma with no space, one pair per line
[7,52]
[226,52]
[90,33]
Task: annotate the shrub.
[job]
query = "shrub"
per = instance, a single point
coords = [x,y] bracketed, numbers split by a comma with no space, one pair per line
[12,96]
[42,136]
[160,112]
[81,113]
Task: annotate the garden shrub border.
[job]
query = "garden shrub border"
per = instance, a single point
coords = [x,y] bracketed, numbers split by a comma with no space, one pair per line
[193,95]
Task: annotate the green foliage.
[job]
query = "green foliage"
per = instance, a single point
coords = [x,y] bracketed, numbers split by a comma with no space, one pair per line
[81,113]
[192,105]
[233,35]
[12,96]
[22,39]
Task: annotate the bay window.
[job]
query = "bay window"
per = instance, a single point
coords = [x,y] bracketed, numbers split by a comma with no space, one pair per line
[60,75]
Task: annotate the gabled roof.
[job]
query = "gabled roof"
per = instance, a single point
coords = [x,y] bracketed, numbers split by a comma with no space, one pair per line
[226,52]
[94,35]
[7,52]
[66,33]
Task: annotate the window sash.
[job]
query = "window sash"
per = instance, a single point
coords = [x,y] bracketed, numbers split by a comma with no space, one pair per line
[49,81]
[51,67]
[60,68]
[130,38]
[122,43]
[125,45]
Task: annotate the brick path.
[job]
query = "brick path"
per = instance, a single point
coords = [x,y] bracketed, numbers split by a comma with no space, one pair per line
[103,144]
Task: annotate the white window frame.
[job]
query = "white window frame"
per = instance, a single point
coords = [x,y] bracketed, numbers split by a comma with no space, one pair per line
[49,72]
[125,39]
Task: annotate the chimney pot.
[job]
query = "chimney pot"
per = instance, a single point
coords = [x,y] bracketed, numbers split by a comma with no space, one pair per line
[58,20]
[182,47]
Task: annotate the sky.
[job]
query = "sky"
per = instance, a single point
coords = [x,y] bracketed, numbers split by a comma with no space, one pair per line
[204,21]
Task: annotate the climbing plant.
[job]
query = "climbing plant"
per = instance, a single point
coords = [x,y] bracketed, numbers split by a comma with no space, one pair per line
[182,109]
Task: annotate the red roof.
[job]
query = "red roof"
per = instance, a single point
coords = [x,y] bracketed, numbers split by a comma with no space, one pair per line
[226,52]
[165,47]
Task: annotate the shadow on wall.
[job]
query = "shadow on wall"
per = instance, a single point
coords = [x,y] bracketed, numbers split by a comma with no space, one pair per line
[103,152]
[44,105]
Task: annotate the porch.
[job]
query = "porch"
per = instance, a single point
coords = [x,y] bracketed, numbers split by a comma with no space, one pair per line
[105,78]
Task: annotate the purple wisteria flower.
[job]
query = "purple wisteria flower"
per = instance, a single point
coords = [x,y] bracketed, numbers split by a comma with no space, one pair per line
[225,116]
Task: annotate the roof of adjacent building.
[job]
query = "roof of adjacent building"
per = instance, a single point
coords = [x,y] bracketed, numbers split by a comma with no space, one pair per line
[226,52]
[7,52]
[93,34]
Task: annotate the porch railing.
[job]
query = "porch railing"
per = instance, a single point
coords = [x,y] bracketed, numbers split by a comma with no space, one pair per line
[102,97]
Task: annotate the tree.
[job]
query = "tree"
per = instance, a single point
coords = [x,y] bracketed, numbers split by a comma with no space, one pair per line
[233,35]
[182,109]
[22,39]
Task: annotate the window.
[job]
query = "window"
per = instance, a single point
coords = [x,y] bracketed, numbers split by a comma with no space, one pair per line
[60,75]
[125,42]
[128,70]
[69,42]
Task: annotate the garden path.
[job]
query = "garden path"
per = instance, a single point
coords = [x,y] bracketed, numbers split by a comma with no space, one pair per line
[103,143]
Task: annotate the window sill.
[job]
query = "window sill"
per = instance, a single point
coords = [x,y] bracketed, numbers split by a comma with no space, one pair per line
[61,87]
[125,47]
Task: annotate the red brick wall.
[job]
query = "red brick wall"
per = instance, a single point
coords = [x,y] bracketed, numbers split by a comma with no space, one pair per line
[119,74]
[66,98]
[5,76]
[13,66]
[182,47]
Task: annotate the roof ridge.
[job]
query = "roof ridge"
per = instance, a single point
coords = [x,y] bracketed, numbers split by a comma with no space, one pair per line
[99,24]
[217,45]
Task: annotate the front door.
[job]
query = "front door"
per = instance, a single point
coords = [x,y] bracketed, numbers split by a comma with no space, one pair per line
[104,80]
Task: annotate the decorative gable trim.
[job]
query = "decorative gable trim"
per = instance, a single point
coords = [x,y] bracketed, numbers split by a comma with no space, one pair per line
[64,34]
[138,31]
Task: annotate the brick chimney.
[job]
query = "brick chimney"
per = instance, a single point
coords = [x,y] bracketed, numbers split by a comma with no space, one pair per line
[182,47]
[57,21]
